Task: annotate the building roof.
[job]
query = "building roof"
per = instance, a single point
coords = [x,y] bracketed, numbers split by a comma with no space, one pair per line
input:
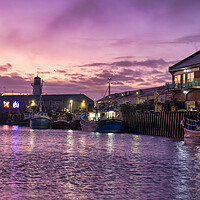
[191,61]
[54,97]
[133,94]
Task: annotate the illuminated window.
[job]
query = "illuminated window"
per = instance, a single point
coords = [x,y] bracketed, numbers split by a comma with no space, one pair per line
[190,77]
[6,104]
[177,79]
[15,104]
[183,78]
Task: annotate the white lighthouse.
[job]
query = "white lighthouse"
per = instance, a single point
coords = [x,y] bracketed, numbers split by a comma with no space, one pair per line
[37,86]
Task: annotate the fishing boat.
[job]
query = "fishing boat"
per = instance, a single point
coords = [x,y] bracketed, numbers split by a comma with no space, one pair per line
[74,123]
[192,131]
[60,122]
[40,119]
[102,121]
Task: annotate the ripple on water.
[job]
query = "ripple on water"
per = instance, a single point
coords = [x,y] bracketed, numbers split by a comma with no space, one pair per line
[61,164]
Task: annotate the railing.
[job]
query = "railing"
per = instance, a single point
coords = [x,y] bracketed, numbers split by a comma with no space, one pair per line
[173,86]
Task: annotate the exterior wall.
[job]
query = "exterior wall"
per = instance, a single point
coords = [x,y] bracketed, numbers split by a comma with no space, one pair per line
[74,103]
[193,95]
[137,99]
[179,96]
[197,74]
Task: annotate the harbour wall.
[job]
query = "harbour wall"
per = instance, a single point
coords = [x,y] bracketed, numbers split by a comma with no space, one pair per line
[166,124]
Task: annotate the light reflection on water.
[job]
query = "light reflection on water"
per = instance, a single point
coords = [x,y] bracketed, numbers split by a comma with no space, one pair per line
[62,164]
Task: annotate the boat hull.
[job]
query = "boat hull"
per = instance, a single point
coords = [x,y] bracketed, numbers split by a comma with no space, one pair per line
[59,125]
[104,126]
[191,136]
[40,123]
[74,125]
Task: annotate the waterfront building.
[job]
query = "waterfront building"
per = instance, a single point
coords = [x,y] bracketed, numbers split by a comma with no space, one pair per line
[185,85]
[52,103]
[155,95]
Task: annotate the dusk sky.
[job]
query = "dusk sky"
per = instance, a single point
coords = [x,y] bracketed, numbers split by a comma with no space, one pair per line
[78,44]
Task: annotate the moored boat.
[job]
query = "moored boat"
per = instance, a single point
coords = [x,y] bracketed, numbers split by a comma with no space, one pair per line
[192,132]
[74,122]
[60,123]
[40,119]
[102,121]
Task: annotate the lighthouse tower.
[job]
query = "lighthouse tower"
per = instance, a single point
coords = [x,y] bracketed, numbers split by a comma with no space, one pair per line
[37,86]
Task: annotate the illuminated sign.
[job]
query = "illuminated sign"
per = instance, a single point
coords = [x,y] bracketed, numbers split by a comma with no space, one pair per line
[6,104]
[16,104]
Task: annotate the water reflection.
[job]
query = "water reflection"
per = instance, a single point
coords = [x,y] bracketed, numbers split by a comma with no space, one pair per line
[110,141]
[69,143]
[31,140]
[5,127]
[15,178]
[136,143]
[60,164]
[15,127]
[82,142]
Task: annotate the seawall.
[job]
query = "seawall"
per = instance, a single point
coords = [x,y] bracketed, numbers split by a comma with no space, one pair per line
[166,124]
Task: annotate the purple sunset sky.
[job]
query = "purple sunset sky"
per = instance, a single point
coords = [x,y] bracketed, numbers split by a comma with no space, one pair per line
[78,44]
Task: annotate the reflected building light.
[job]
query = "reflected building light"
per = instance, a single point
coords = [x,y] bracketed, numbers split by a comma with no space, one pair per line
[5,127]
[15,127]
[82,143]
[136,143]
[31,140]
[69,143]
[15,142]
[110,142]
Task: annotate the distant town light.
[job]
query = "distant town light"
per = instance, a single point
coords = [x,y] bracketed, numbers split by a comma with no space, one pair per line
[137,92]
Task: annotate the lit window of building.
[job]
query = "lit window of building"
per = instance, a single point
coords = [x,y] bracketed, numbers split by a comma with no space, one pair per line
[184,77]
[190,77]
[177,79]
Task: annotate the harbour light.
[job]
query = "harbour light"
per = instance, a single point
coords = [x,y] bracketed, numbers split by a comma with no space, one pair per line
[33,103]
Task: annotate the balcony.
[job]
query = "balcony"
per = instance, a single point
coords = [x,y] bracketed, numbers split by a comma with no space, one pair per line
[194,84]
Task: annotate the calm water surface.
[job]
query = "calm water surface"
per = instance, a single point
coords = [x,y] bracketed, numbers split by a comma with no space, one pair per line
[64,164]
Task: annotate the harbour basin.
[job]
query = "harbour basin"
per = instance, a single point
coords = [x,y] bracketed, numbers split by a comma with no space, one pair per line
[66,164]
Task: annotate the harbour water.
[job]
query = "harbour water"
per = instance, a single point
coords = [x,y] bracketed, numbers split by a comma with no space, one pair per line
[65,164]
